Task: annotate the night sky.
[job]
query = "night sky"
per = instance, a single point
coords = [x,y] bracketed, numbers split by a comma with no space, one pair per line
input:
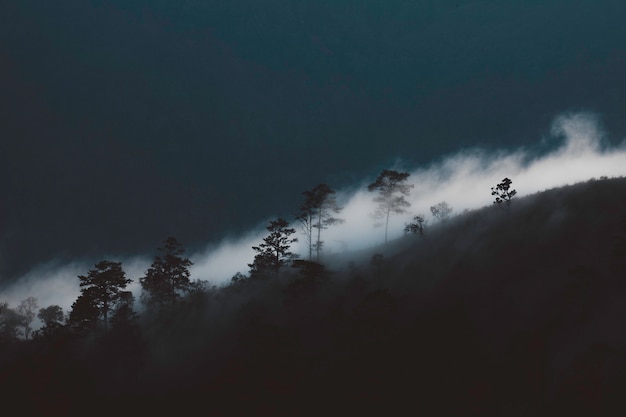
[125,121]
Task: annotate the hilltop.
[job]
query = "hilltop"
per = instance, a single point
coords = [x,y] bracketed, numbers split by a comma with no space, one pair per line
[515,310]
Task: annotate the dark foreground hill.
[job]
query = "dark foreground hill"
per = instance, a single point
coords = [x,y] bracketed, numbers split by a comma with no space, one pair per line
[512,311]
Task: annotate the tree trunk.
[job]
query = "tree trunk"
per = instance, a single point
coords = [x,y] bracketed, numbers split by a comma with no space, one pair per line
[387,225]
[319,232]
[310,238]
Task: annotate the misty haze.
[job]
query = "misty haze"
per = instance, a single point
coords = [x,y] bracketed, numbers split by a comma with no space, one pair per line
[256,208]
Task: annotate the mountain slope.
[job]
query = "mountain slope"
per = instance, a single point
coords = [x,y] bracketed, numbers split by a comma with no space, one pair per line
[499,311]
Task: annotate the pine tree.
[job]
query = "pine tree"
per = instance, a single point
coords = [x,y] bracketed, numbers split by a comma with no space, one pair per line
[101,289]
[392,188]
[274,252]
[317,213]
[85,314]
[167,279]
[503,192]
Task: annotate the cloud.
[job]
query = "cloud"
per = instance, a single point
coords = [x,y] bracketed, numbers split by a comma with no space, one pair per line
[218,263]
[54,284]
[464,180]
[577,153]
[50,283]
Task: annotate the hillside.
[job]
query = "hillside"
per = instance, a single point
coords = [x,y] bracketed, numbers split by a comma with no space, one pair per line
[500,311]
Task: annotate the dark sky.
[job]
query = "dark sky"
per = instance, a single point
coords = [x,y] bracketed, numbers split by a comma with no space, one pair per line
[125,121]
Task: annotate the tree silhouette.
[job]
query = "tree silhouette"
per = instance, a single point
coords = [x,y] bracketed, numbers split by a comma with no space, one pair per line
[503,192]
[167,279]
[84,314]
[10,321]
[416,226]
[441,211]
[274,252]
[51,314]
[124,315]
[392,188]
[101,290]
[52,318]
[26,310]
[317,213]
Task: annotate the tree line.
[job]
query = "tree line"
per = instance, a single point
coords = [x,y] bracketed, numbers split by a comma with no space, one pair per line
[105,301]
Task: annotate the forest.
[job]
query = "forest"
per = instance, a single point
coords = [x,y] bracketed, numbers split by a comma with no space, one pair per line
[517,308]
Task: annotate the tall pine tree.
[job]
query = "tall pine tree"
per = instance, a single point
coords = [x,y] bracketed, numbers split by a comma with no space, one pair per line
[316,214]
[391,187]
[101,289]
[274,252]
[167,279]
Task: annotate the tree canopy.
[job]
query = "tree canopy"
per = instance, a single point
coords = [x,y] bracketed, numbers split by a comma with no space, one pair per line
[417,226]
[10,321]
[27,311]
[167,279]
[317,213]
[275,251]
[101,289]
[441,211]
[392,189]
[503,192]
